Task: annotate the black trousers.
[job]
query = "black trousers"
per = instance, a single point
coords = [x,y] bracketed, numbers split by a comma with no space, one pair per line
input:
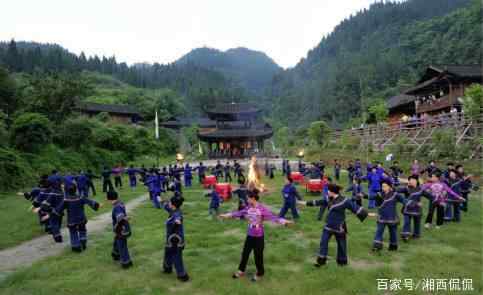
[228,177]
[118,181]
[257,244]
[107,185]
[92,187]
[439,214]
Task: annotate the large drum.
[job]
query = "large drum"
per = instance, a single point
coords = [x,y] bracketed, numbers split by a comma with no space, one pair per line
[297,177]
[224,190]
[314,185]
[209,181]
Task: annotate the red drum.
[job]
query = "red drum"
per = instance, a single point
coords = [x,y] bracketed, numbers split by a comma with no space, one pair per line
[209,181]
[297,177]
[314,185]
[224,190]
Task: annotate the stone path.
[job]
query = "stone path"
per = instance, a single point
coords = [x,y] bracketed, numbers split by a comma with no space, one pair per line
[25,254]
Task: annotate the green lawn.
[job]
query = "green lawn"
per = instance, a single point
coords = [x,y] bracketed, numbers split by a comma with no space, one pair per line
[23,225]
[213,251]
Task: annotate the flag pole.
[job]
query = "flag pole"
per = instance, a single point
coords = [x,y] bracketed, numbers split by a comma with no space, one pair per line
[156,135]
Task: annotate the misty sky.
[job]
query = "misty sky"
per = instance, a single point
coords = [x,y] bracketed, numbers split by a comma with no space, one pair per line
[162,30]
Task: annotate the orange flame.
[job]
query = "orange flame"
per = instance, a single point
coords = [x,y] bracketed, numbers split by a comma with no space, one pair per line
[179,157]
[254,176]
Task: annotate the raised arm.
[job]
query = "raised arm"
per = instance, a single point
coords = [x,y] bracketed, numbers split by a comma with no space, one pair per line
[401,199]
[235,214]
[359,211]
[402,190]
[269,215]
[91,203]
[452,194]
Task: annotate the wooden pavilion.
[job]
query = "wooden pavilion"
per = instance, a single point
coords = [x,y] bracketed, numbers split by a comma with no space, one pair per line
[239,131]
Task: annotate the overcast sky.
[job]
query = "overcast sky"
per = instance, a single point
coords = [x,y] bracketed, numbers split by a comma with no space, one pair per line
[162,31]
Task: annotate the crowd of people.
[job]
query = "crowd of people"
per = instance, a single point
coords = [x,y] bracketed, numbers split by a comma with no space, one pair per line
[447,191]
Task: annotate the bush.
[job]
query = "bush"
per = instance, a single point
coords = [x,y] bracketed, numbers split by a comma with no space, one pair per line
[473,101]
[52,157]
[14,171]
[103,117]
[76,132]
[348,141]
[379,111]
[3,131]
[167,141]
[443,145]
[401,146]
[30,131]
[105,137]
[319,132]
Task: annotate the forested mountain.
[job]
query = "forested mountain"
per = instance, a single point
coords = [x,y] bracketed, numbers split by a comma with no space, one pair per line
[198,85]
[368,57]
[374,54]
[249,69]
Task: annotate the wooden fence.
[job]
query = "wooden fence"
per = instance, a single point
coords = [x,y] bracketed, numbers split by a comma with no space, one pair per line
[419,132]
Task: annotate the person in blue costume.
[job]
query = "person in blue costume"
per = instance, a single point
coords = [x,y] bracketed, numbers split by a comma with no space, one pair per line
[215,201]
[290,197]
[76,218]
[121,229]
[227,172]
[242,193]
[387,216]
[412,211]
[82,182]
[374,180]
[175,240]
[52,199]
[188,175]
[337,169]
[201,169]
[132,172]
[357,191]
[336,205]
[466,186]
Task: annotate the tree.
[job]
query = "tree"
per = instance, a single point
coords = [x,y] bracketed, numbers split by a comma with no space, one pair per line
[31,131]
[473,101]
[319,132]
[8,99]
[379,111]
[75,132]
[56,95]
[3,130]
[13,58]
[282,138]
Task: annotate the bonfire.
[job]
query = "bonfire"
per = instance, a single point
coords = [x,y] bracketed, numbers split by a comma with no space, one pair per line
[254,181]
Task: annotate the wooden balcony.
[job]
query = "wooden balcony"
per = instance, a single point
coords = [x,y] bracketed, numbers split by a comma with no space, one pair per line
[441,103]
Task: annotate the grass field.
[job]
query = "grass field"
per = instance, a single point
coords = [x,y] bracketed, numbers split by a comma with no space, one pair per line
[213,251]
[23,225]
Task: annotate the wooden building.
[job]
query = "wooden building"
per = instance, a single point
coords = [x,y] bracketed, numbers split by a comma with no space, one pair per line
[442,87]
[238,132]
[399,106]
[118,113]
[439,90]
[177,123]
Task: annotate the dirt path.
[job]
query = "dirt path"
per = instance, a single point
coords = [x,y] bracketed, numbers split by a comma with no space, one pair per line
[36,249]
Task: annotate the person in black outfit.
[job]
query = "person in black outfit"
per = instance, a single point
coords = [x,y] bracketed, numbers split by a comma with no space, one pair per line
[106,180]
[91,176]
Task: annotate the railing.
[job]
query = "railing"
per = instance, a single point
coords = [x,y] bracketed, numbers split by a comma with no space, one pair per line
[451,120]
[440,103]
